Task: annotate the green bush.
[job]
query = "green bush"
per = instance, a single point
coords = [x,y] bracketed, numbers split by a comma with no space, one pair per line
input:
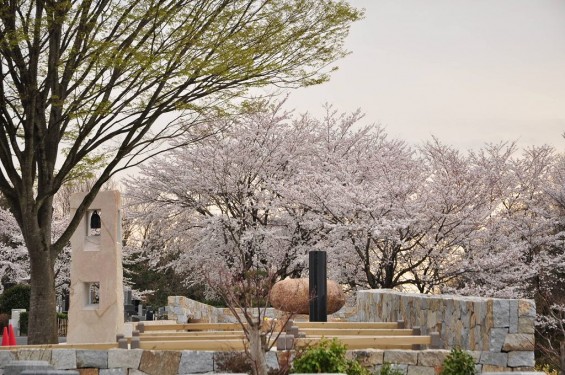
[326,356]
[458,362]
[16,297]
[23,323]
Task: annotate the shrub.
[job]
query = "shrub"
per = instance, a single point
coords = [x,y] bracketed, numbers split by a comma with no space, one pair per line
[326,356]
[23,323]
[458,362]
[547,369]
[232,362]
[16,297]
[386,369]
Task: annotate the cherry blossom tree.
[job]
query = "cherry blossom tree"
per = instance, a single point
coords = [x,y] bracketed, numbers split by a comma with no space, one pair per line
[108,83]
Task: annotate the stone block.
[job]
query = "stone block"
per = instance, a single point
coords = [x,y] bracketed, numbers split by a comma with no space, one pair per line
[92,358]
[476,355]
[526,308]
[196,362]
[155,362]
[49,372]
[495,359]
[64,359]
[369,357]
[113,371]
[501,313]
[526,324]
[6,357]
[432,358]
[497,337]
[33,355]
[420,370]
[16,367]
[271,359]
[133,371]
[521,359]
[513,316]
[519,342]
[88,371]
[402,368]
[401,356]
[493,368]
[124,358]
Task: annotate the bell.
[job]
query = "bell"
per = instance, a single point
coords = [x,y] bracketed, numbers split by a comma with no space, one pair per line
[95,221]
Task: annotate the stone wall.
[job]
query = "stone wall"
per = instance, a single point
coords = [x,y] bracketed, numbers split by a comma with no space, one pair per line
[154,362]
[501,330]
[183,309]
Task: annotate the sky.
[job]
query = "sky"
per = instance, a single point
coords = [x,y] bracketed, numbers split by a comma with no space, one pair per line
[465,71]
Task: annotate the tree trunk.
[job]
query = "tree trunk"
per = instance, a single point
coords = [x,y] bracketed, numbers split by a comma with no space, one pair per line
[42,325]
[562,356]
[256,351]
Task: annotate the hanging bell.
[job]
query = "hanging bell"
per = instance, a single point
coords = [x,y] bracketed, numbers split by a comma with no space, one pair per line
[95,221]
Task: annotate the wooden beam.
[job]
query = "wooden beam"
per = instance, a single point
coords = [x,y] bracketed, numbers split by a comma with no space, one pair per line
[191,333]
[217,345]
[192,327]
[355,332]
[348,325]
[167,337]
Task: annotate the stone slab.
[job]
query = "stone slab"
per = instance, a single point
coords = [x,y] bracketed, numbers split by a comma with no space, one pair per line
[155,362]
[49,372]
[64,359]
[519,342]
[501,313]
[33,355]
[113,371]
[17,367]
[432,358]
[521,359]
[92,359]
[124,358]
[404,357]
[497,337]
[133,371]
[196,362]
[526,324]
[6,357]
[495,359]
[367,358]
[420,370]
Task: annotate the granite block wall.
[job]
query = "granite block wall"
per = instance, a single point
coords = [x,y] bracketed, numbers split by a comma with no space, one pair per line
[502,330]
[155,362]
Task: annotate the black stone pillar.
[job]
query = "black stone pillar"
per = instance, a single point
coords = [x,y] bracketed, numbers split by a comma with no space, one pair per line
[318,286]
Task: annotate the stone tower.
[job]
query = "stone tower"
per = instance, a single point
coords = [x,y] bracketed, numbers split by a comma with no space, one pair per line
[96,312]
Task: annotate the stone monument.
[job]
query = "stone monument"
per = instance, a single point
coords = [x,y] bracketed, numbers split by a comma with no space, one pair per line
[96,312]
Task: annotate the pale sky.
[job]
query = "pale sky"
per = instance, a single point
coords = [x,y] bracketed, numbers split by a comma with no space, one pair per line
[465,71]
